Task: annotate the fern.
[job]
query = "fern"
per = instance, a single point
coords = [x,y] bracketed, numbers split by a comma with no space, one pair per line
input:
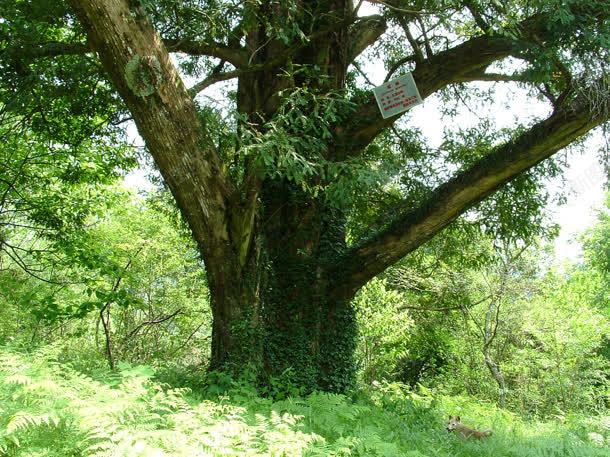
[50,409]
[24,420]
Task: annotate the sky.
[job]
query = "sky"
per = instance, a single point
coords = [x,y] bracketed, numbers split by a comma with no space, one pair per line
[585,180]
[584,177]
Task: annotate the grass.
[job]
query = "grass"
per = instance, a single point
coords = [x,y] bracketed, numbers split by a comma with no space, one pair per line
[50,409]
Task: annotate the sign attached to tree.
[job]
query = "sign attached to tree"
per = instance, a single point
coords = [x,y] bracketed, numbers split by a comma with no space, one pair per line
[397,95]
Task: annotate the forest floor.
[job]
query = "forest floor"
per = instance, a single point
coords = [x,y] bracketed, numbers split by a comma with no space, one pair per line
[48,407]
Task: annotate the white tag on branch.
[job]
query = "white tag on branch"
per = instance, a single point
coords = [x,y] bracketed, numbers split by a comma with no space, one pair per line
[397,95]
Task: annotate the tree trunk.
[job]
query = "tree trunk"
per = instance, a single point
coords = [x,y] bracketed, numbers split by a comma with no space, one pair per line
[277,314]
[286,320]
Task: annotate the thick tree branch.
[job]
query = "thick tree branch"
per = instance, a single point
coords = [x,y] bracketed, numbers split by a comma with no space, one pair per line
[494,77]
[453,65]
[443,69]
[236,56]
[365,32]
[139,65]
[215,76]
[413,228]
[49,49]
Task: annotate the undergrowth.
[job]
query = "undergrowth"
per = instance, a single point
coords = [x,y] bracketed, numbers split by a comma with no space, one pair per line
[51,409]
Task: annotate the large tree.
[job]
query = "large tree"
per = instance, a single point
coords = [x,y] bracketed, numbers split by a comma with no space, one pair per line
[269,192]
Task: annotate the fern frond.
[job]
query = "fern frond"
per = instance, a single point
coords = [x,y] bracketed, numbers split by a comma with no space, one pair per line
[23,420]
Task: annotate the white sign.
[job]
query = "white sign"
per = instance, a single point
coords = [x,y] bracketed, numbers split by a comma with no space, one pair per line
[397,95]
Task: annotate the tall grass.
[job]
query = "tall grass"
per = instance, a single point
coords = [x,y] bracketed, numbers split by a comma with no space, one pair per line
[51,409]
